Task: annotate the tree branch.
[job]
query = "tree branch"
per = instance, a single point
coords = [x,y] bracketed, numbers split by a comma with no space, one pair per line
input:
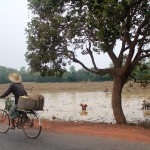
[145,21]
[113,57]
[141,45]
[91,55]
[95,71]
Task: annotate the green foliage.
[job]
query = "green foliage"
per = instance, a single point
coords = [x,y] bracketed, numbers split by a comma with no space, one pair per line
[4,72]
[70,76]
[141,73]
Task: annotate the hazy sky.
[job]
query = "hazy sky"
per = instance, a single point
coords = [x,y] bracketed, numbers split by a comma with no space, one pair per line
[14,16]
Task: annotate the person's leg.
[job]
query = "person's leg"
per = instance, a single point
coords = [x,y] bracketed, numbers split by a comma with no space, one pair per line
[12,124]
[12,115]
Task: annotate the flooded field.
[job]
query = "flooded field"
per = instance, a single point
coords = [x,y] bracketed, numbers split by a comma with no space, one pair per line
[66,106]
[62,105]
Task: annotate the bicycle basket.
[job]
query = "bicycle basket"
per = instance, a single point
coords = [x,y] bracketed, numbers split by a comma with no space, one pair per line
[8,103]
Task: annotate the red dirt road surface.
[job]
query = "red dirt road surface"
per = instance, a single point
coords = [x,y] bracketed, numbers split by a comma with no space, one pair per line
[126,132]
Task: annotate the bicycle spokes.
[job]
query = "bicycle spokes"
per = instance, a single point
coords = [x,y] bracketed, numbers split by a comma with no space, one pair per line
[4,121]
[32,127]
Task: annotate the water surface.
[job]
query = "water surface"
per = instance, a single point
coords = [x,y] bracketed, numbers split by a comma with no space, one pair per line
[66,106]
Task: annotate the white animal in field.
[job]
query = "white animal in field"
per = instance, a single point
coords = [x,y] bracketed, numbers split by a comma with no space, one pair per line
[145,105]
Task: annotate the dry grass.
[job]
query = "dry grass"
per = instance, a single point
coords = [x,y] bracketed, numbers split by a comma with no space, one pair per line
[79,86]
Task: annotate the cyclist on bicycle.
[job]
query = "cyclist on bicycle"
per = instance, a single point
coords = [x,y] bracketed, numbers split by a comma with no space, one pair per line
[18,90]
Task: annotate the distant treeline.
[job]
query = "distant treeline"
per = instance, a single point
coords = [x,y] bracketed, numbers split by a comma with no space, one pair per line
[70,76]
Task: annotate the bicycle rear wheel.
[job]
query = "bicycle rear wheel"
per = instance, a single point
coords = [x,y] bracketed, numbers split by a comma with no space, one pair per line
[4,121]
[31,125]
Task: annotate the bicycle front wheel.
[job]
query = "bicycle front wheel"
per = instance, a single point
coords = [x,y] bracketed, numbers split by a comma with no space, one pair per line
[31,125]
[4,121]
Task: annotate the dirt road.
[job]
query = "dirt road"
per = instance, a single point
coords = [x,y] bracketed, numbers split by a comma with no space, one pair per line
[15,139]
[114,131]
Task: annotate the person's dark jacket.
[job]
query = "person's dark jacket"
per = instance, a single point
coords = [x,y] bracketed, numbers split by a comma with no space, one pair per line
[17,89]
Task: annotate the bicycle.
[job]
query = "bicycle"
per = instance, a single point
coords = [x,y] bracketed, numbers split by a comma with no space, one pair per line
[26,120]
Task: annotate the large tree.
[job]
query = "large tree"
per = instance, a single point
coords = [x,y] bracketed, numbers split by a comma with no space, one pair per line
[61,30]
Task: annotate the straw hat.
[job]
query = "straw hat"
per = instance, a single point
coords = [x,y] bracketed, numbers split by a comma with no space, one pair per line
[15,77]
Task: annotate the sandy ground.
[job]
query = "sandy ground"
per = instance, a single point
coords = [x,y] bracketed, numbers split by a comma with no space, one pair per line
[126,132]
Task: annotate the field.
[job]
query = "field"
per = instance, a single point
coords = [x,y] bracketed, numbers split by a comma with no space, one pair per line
[127,132]
[81,86]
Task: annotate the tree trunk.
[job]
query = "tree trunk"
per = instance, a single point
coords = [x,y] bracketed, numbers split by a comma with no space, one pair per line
[117,101]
